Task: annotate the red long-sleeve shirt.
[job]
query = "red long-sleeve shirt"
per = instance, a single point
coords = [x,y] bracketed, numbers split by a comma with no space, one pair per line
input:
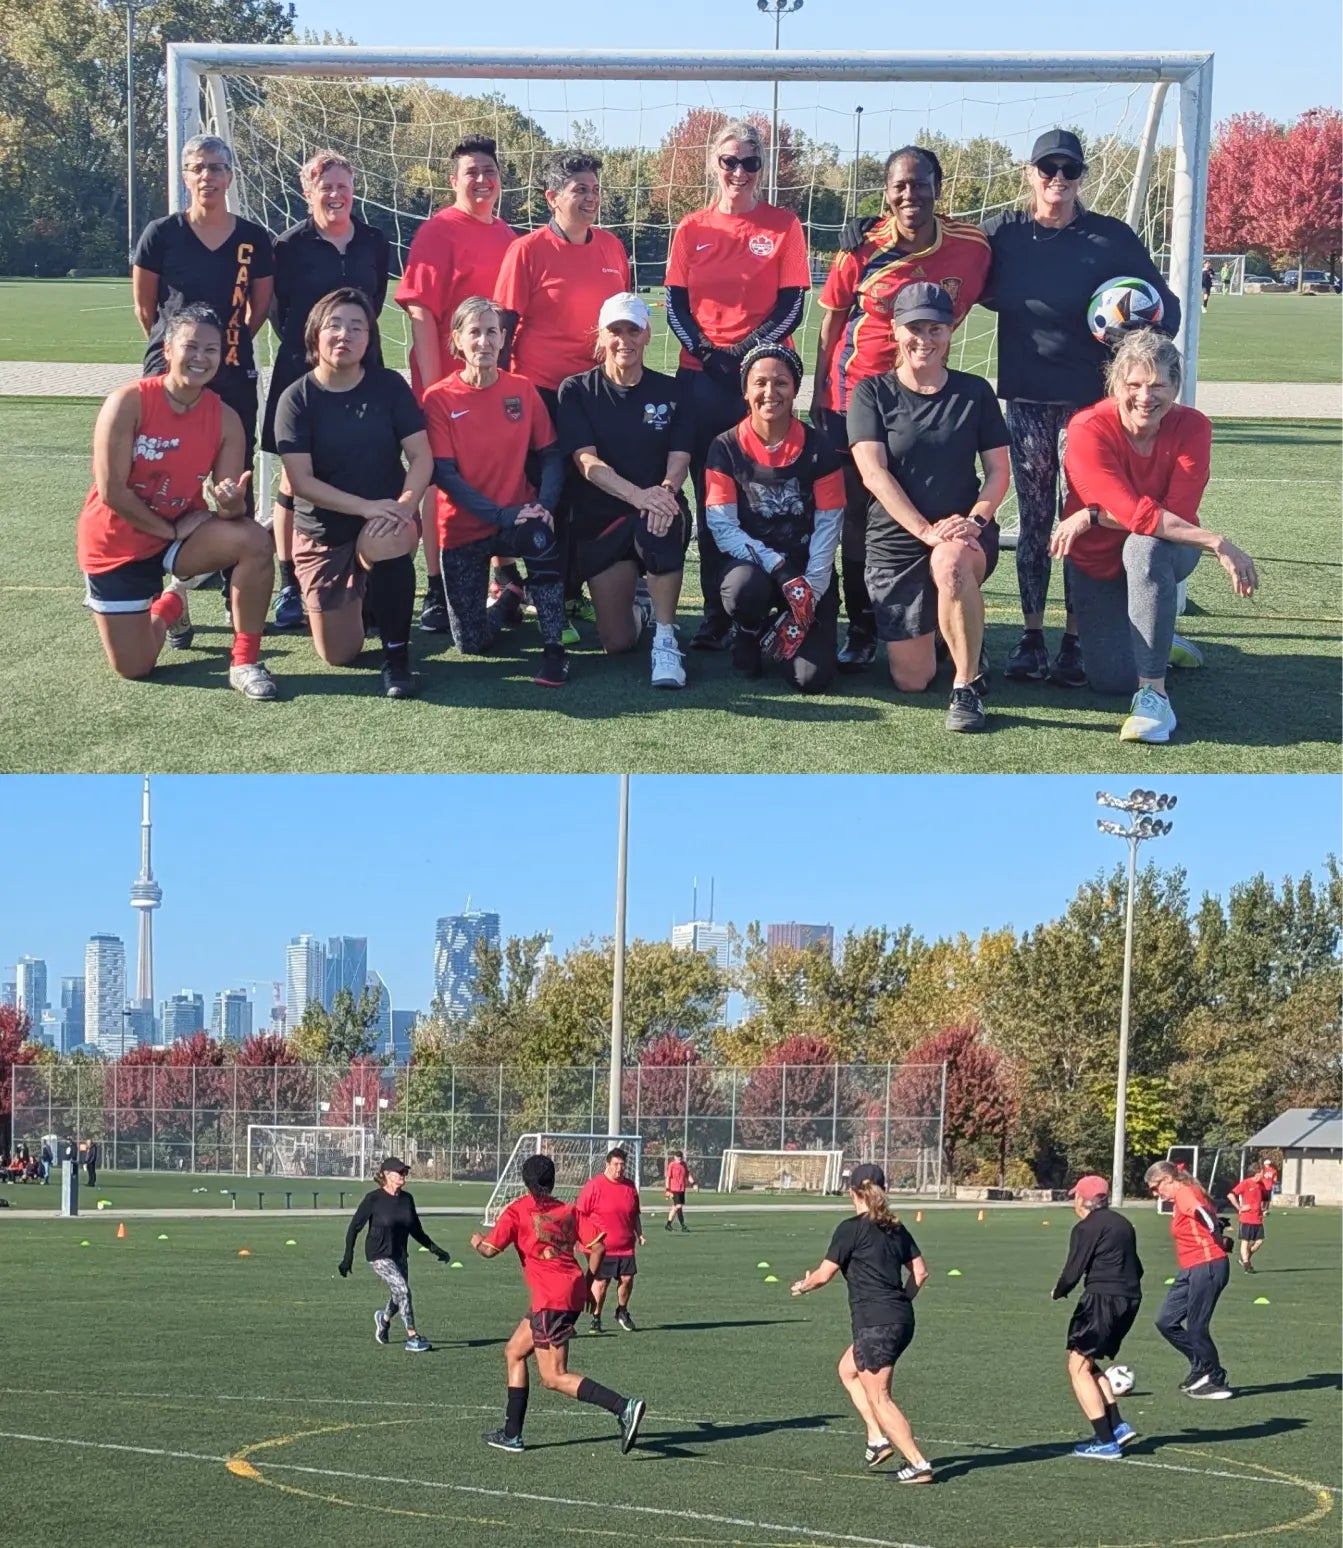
[1103,468]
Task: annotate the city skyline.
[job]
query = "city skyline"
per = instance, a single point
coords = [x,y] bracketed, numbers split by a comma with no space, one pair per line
[978,860]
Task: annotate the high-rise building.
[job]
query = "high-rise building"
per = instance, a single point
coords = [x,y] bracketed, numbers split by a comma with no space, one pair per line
[231,1018]
[182,1014]
[800,937]
[72,1014]
[305,976]
[706,936]
[146,896]
[105,995]
[456,970]
[382,1027]
[142,1025]
[30,987]
[9,992]
[403,1026]
[346,967]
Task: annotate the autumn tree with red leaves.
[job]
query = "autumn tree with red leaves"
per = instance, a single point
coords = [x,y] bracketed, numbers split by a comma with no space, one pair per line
[15,1048]
[981,1102]
[681,178]
[789,1101]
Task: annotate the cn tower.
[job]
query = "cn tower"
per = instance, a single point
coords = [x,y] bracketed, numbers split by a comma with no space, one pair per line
[146,895]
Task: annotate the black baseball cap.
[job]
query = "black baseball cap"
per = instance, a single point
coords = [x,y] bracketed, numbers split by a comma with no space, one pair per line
[395,1164]
[869,1171]
[922,302]
[1058,142]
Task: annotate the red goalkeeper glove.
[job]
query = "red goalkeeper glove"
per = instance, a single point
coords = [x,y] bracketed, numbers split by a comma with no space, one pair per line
[801,600]
[783,639]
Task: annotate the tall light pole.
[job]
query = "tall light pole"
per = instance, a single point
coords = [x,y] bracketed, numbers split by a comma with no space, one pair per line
[857,153]
[1142,825]
[132,6]
[618,970]
[778,9]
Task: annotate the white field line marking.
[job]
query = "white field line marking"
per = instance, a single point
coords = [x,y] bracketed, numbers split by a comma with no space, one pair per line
[568,1412]
[474,1489]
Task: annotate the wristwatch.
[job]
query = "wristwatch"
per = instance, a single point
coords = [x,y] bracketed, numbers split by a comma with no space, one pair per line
[1094,512]
[980,521]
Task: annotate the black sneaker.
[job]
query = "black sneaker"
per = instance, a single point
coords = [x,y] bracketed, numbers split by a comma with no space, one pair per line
[630,1421]
[554,669]
[715,633]
[434,613]
[625,1322]
[502,1441]
[398,681]
[1067,669]
[507,606]
[1213,1391]
[595,1324]
[1028,662]
[746,656]
[966,712]
[668,1226]
[858,651]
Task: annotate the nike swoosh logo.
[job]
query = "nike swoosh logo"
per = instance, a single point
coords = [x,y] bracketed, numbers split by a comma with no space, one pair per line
[700,246]
[457,413]
[610,271]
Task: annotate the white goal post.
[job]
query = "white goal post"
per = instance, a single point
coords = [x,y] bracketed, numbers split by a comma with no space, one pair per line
[307,1150]
[1235,262]
[577,1158]
[782,1171]
[197,95]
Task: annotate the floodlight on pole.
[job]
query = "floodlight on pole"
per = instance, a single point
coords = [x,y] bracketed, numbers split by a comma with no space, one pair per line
[778,9]
[1140,807]
[618,965]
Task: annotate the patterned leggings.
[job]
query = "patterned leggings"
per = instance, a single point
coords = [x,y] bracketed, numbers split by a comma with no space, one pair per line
[466,585]
[395,1274]
[1036,431]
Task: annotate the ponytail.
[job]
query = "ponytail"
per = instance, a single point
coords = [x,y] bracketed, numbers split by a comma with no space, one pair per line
[876,1208]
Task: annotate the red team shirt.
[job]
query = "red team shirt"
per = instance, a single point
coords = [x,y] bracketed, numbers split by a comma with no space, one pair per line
[863,284]
[1194,1243]
[1251,1193]
[678,1174]
[734,267]
[452,256]
[489,431]
[545,1233]
[612,1207]
[720,488]
[171,457]
[557,288]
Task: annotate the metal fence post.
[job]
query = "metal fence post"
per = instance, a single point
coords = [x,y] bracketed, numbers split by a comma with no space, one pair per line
[116,1117]
[886,1137]
[546,1125]
[783,1104]
[79,1125]
[499,1126]
[194,1119]
[153,1118]
[685,1129]
[452,1122]
[834,1113]
[732,1124]
[941,1129]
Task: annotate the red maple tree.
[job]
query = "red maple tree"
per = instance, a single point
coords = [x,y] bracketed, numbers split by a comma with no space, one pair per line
[1233,219]
[681,179]
[981,1098]
[1300,183]
[15,1048]
[788,1101]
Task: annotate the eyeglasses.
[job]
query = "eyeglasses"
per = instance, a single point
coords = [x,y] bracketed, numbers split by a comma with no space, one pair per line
[1072,170]
[739,163]
[199,167]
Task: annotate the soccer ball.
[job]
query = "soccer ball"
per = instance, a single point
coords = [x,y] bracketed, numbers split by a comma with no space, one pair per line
[1121,1379]
[1121,303]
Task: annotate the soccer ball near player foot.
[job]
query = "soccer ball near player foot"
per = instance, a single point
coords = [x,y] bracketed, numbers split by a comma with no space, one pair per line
[1123,302]
[1121,1379]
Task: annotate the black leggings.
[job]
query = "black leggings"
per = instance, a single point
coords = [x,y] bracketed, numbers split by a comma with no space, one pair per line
[466,585]
[1036,431]
[751,597]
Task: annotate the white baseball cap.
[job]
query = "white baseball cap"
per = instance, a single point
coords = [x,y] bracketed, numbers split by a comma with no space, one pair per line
[626,307]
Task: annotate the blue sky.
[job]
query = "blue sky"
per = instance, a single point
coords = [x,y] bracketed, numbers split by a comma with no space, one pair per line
[245,863]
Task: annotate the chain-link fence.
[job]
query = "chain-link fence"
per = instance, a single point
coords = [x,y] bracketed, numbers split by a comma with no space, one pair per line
[460,1122]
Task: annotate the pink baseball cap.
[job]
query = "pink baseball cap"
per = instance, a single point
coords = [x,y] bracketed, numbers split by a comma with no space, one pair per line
[1089,1187]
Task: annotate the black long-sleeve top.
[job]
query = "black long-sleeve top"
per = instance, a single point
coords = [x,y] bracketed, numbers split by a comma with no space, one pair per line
[391,1221]
[1040,285]
[1103,1249]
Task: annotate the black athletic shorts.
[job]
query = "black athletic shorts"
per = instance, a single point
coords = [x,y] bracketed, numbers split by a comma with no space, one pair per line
[617,1267]
[133,586]
[628,538]
[878,1347]
[1251,1233]
[678,1198]
[1100,1324]
[552,1328]
[905,599]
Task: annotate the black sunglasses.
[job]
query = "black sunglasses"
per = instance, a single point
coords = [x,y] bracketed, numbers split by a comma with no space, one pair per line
[1072,170]
[739,163]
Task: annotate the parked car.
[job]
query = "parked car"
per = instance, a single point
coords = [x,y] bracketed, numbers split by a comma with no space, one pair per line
[1314,279]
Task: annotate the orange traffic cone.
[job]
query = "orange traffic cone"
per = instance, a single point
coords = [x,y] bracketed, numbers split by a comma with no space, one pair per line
[121,1230]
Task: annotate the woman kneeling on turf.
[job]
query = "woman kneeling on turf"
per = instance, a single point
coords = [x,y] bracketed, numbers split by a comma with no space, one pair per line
[774,488]
[544,1230]
[630,434]
[872,1251]
[156,442]
[391,1217]
[1137,464]
[342,432]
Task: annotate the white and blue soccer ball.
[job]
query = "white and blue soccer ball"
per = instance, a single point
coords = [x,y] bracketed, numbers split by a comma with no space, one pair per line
[1124,302]
[1121,1379]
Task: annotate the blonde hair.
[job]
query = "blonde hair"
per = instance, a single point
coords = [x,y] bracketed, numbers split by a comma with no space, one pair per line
[317,165]
[734,129]
[875,1207]
[1144,347]
[473,306]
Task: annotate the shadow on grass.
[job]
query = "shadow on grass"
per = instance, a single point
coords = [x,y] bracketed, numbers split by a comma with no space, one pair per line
[671,1444]
[709,1327]
[1321,1380]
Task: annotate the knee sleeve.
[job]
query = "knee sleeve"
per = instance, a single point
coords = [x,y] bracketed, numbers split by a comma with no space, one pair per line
[663,555]
[538,547]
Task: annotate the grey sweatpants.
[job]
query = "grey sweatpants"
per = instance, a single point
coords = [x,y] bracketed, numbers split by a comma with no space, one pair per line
[1125,626]
[395,1274]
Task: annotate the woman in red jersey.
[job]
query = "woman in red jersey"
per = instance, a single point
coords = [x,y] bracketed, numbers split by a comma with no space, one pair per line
[544,1231]
[737,276]
[155,444]
[1137,464]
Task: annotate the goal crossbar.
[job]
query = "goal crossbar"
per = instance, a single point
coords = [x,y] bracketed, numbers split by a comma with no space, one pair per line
[803,1171]
[577,1157]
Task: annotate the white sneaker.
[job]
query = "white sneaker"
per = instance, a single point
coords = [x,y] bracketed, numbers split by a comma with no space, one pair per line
[1150,718]
[253,681]
[181,633]
[1184,653]
[668,664]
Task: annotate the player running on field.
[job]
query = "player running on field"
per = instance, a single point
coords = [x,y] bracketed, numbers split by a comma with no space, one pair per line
[1185,1318]
[1102,1251]
[1249,1198]
[391,1217]
[609,1213]
[544,1231]
[872,1251]
[678,1179]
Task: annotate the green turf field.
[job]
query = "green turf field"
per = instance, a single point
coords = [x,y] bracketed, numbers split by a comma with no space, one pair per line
[1265,702]
[161,1393]
[1243,338]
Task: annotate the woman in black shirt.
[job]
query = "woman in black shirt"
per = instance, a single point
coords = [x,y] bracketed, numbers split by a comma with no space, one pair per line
[343,431]
[392,1219]
[872,1251]
[331,249]
[917,435]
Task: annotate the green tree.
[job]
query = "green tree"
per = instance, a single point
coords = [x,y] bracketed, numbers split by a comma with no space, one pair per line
[339,1036]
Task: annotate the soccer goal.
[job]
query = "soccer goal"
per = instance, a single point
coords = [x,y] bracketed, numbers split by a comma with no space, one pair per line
[1233,284]
[782,1171]
[577,1157]
[293,1150]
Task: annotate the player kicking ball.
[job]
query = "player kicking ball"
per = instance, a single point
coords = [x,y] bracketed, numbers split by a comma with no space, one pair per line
[1103,1251]
[544,1232]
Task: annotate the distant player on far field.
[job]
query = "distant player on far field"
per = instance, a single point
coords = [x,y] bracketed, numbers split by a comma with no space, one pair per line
[1249,1198]
[609,1211]
[1103,1250]
[544,1230]
[678,1179]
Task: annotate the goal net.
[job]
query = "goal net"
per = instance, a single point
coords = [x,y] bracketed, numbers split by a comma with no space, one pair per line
[291,1150]
[577,1157]
[396,114]
[782,1171]
[1228,271]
